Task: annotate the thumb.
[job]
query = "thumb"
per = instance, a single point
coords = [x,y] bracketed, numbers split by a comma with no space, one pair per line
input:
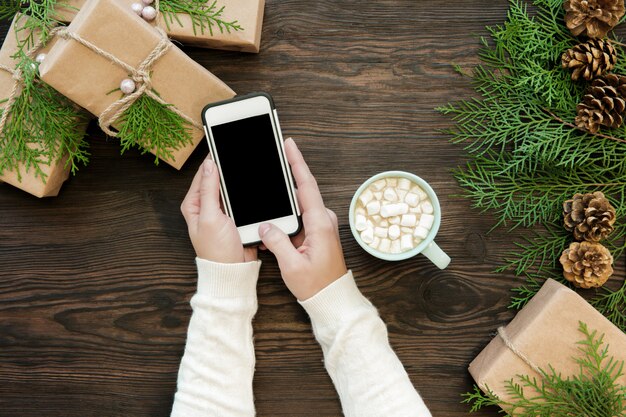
[209,190]
[277,242]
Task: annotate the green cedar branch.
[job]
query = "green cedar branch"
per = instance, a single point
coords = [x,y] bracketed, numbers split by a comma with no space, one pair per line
[593,392]
[526,154]
[43,127]
[204,15]
[153,127]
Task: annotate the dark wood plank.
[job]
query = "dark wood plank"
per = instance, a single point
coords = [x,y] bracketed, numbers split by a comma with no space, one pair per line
[95,284]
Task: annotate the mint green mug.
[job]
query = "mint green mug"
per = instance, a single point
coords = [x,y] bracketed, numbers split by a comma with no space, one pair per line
[426,247]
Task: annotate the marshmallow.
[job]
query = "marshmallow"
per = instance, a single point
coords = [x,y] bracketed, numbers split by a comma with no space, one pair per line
[375,243]
[420,232]
[385,245]
[360,210]
[408,220]
[373,207]
[394,220]
[401,194]
[379,185]
[368,235]
[421,193]
[378,195]
[390,194]
[412,199]
[394,232]
[376,219]
[370,224]
[392,182]
[404,184]
[391,210]
[365,197]
[427,220]
[427,207]
[406,242]
[395,246]
[416,210]
[380,232]
[360,222]
[407,230]
[384,223]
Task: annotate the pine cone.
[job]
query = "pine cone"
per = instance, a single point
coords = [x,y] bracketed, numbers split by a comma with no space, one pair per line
[586,264]
[592,18]
[590,59]
[589,216]
[603,104]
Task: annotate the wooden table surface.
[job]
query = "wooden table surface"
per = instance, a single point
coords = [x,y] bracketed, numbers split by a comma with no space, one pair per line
[95,284]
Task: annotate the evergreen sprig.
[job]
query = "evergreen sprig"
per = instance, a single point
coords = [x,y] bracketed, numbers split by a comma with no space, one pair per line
[593,392]
[153,127]
[42,127]
[526,154]
[204,16]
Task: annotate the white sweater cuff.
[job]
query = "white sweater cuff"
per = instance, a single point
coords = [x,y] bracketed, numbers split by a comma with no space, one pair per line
[227,280]
[335,302]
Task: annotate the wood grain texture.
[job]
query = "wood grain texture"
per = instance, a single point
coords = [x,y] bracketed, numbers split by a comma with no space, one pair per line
[95,284]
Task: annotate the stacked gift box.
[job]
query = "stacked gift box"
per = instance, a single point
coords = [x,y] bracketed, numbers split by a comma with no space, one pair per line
[126,62]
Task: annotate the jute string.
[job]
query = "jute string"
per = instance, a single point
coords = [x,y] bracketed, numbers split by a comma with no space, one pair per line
[140,75]
[509,344]
[18,77]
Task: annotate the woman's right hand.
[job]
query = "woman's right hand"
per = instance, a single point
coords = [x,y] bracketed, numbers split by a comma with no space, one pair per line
[314,259]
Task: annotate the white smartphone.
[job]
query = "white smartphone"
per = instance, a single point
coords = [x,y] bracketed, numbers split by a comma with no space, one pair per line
[256,184]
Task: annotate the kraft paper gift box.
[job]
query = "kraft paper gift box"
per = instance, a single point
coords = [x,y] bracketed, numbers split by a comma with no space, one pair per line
[546,333]
[87,77]
[247,13]
[56,172]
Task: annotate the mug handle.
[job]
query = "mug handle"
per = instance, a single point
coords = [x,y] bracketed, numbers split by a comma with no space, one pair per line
[436,255]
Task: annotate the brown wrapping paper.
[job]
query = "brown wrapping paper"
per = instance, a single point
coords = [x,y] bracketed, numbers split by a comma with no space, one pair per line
[546,332]
[86,77]
[26,179]
[247,13]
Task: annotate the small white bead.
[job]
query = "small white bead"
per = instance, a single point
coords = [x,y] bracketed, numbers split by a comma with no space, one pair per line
[137,8]
[40,57]
[127,86]
[149,13]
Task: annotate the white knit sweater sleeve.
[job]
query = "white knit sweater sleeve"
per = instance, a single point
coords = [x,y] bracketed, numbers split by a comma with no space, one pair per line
[367,374]
[215,376]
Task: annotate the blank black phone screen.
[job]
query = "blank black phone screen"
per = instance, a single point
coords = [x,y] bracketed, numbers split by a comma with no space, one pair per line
[252,170]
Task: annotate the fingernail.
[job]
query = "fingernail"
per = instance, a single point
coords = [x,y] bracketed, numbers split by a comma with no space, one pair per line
[207,167]
[264,228]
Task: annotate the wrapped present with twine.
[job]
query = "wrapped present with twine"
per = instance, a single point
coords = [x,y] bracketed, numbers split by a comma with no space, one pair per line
[218,24]
[544,335]
[143,89]
[41,132]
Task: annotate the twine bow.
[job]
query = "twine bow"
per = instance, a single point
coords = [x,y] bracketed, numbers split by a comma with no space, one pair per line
[509,344]
[140,75]
[18,77]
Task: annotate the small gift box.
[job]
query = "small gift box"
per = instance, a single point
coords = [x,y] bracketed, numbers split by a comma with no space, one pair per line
[142,88]
[32,155]
[219,24]
[544,335]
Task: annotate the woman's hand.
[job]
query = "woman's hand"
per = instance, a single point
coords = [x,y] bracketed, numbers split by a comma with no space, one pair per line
[213,234]
[314,259]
